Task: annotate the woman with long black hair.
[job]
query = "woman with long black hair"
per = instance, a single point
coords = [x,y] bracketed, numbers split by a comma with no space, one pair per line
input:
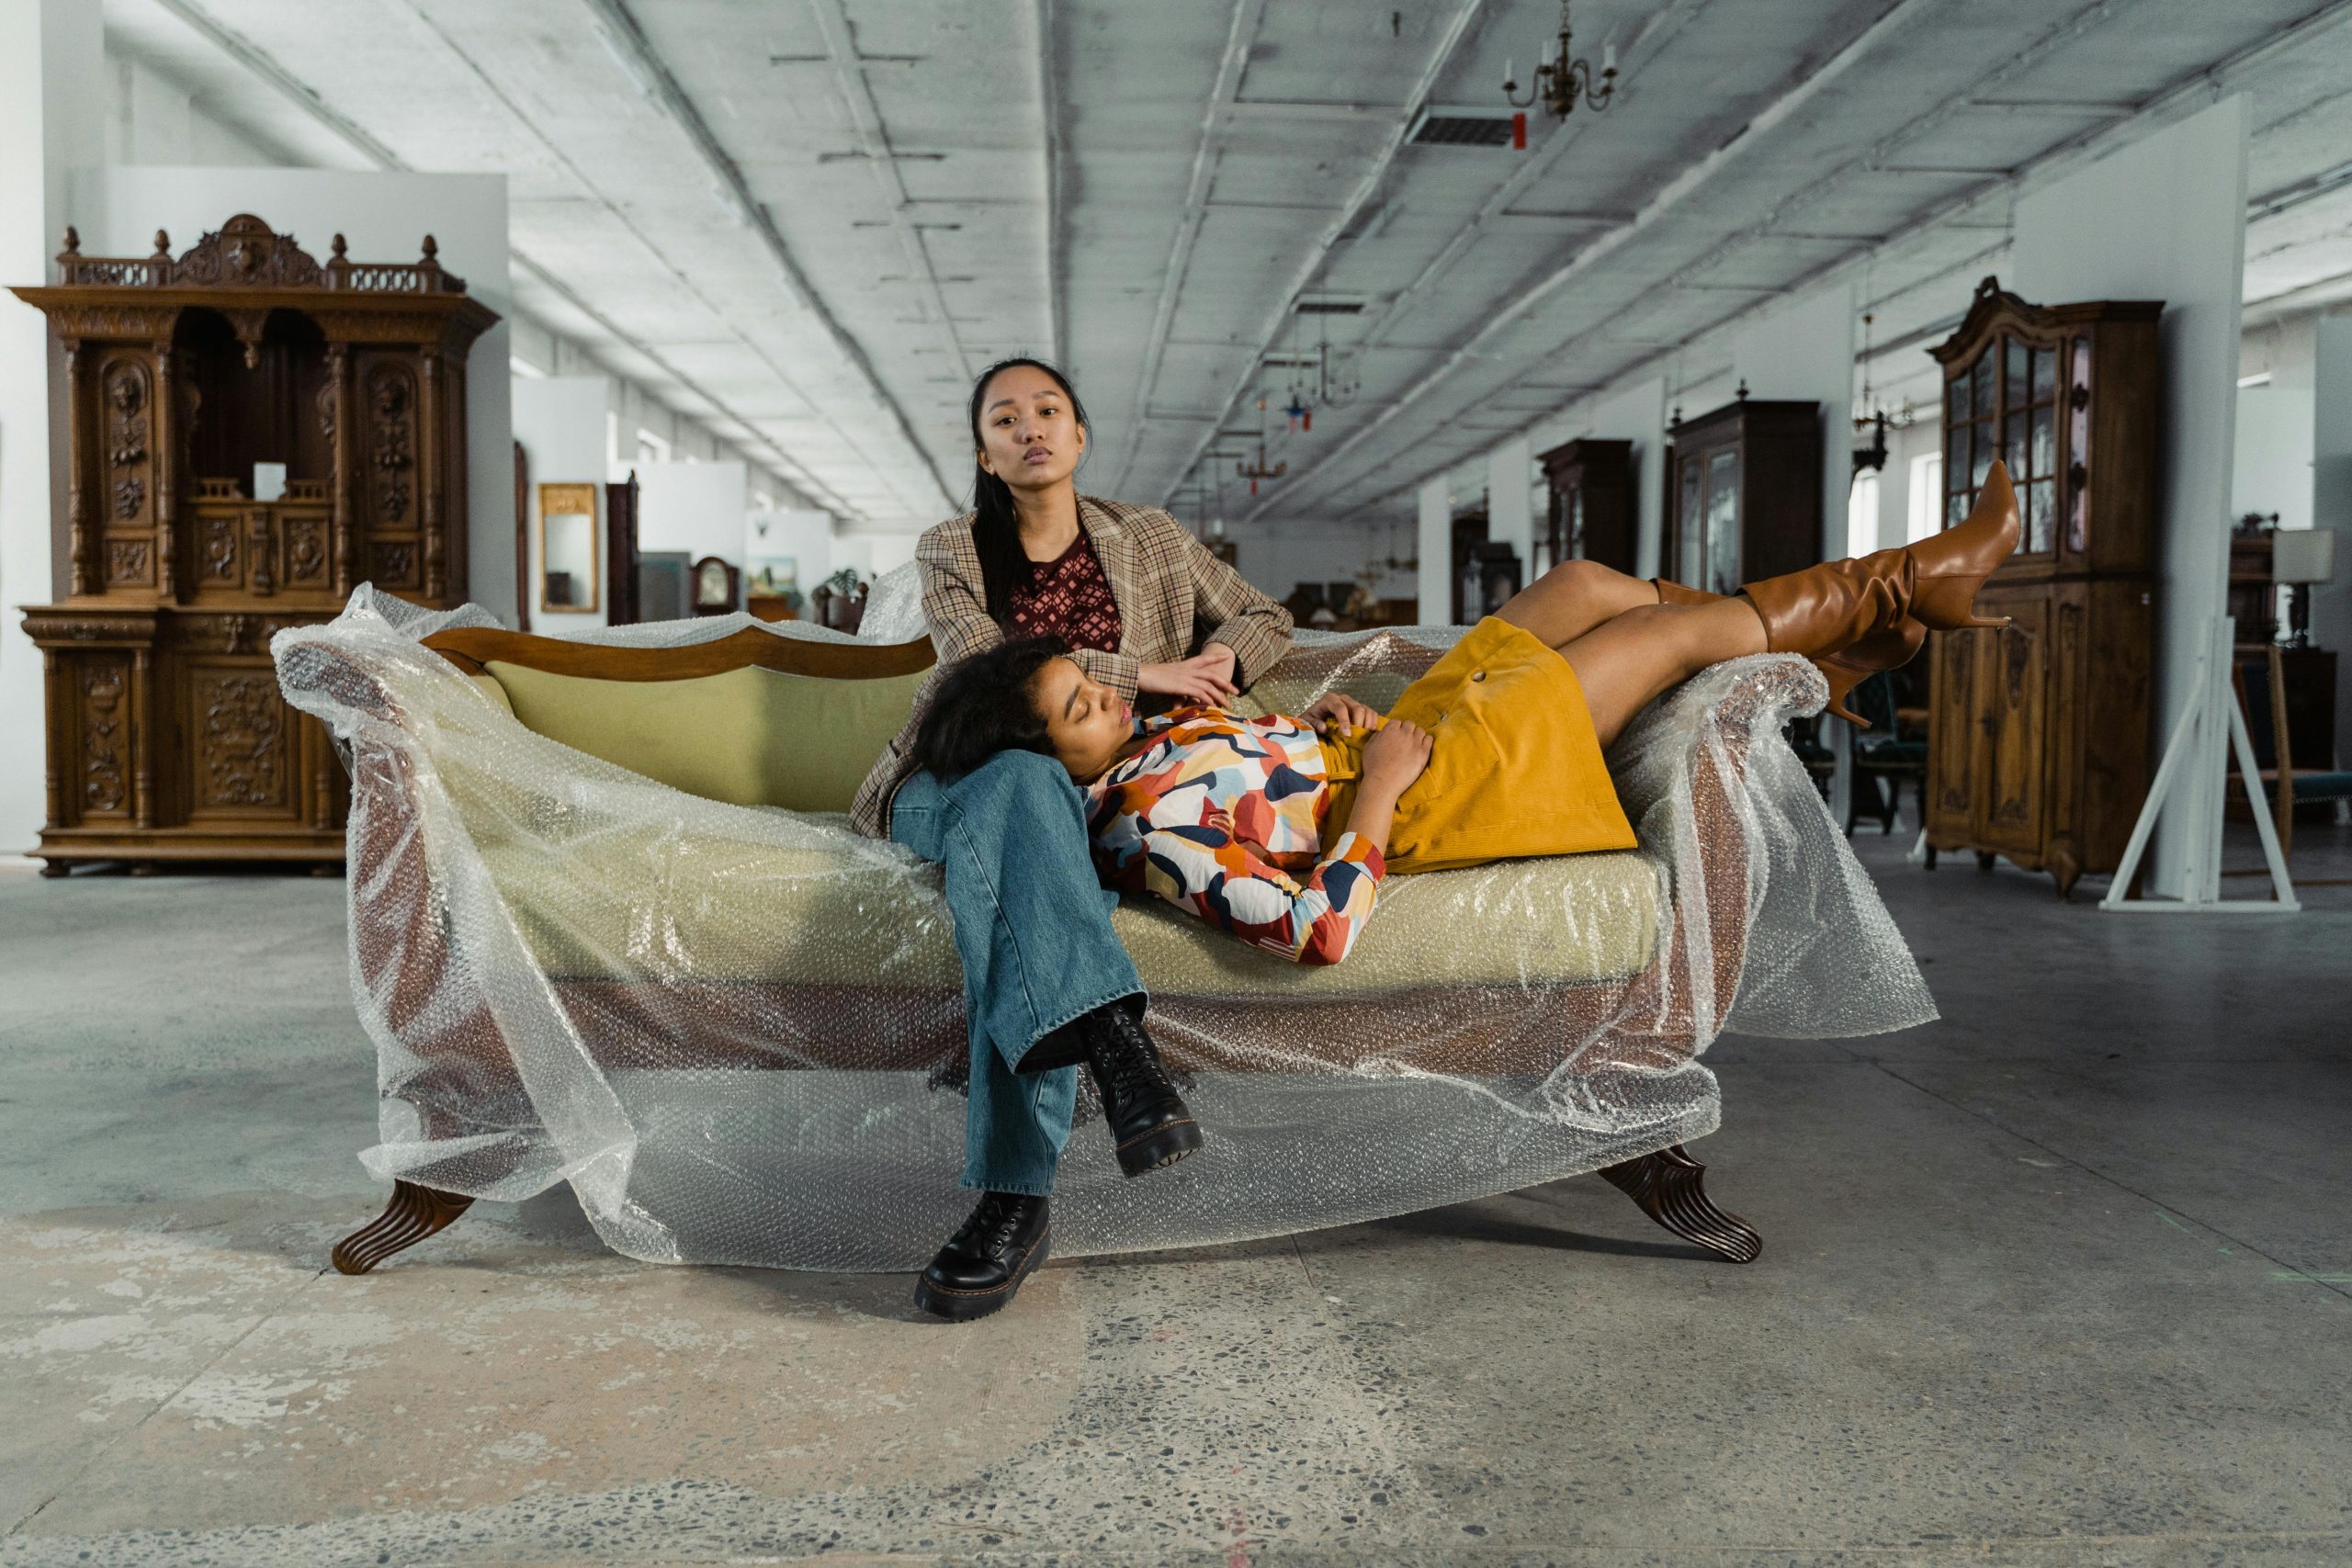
[1149,612]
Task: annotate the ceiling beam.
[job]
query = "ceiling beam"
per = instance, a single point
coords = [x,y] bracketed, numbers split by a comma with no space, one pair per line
[874,141]
[1666,203]
[1241,31]
[621,29]
[2208,81]
[1049,98]
[1358,199]
[259,63]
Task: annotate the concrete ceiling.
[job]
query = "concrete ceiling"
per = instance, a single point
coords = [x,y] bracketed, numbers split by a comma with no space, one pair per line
[813,221]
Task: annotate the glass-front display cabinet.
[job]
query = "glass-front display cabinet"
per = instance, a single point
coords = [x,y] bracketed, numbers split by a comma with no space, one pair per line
[1744,493]
[2037,740]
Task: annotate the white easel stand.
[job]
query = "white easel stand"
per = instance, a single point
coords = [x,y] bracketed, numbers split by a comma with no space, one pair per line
[2196,764]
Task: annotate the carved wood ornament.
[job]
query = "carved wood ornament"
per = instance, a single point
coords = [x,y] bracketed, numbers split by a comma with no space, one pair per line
[167,738]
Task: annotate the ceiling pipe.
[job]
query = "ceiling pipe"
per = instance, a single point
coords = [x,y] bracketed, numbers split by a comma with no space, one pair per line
[2209,82]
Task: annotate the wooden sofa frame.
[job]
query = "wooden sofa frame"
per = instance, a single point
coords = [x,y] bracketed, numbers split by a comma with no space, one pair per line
[407,964]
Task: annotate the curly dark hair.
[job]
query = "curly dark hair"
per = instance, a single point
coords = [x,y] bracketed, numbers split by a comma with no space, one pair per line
[984,706]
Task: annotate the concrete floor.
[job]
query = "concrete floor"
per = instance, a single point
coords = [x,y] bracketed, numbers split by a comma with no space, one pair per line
[2066,1279]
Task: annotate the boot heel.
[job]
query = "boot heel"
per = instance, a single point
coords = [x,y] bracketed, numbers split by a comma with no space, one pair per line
[1849,668]
[1163,1145]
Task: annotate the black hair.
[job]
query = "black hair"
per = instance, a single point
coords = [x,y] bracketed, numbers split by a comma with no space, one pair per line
[996,528]
[985,704]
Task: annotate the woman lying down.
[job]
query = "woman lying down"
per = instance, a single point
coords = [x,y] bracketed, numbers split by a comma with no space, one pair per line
[1280,829]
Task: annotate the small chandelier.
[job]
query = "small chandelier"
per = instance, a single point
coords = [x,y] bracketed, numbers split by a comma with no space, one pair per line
[1562,80]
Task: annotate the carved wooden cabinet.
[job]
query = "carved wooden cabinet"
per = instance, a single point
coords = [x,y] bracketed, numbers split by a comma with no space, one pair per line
[167,739]
[1743,493]
[2038,733]
[1590,516]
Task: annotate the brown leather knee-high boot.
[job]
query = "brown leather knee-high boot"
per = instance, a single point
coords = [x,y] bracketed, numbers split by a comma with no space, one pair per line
[1834,608]
[1845,670]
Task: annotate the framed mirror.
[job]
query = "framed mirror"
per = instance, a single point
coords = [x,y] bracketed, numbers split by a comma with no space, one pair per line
[568,574]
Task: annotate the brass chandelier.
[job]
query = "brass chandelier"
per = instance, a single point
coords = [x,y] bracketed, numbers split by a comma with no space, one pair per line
[1564,81]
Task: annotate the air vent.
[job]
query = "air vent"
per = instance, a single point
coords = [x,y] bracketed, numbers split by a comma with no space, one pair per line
[1452,125]
[1329,307]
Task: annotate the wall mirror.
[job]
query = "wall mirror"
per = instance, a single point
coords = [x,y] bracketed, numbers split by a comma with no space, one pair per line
[568,575]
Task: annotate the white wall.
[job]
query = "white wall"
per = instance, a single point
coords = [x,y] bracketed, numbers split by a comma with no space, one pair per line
[700,508]
[385,216]
[1634,413]
[1277,557]
[1805,351]
[559,419]
[2277,422]
[51,79]
[2164,218]
[1511,508]
[807,537]
[2331,504]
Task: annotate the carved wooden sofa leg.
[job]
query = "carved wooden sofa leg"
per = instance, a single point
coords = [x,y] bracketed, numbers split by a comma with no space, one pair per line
[413,1213]
[1670,1187]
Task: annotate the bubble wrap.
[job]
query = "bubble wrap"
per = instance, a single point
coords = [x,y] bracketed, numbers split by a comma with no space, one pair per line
[738,1031]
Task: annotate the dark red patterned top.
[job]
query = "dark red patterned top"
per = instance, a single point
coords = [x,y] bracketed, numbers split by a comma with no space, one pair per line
[1069,597]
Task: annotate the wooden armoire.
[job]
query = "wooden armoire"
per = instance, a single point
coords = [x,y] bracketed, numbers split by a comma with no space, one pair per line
[1591,511]
[1743,493]
[194,386]
[2038,733]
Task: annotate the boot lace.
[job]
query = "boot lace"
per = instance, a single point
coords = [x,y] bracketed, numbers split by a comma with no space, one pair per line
[992,1224]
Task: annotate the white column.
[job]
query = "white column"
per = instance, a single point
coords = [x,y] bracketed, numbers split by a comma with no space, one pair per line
[52,115]
[1638,414]
[1510,502]
[1436,553]
[2332,508]
[2164,218]
[1805,351]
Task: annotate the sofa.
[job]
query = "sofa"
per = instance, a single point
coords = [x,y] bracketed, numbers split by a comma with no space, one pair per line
[609,926]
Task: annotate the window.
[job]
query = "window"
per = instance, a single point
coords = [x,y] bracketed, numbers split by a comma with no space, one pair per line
[2006,406]
[652,448]
[1927,493]
[1862,515]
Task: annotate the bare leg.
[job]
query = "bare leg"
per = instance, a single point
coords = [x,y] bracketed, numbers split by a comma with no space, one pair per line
[1575,597]
[1629,660]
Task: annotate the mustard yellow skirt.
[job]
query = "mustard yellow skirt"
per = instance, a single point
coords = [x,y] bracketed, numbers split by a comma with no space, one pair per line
[1515,768]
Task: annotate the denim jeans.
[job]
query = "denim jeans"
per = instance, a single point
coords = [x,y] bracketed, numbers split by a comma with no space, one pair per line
[1033,927]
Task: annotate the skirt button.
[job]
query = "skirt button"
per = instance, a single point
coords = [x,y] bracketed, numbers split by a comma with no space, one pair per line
[1478,674]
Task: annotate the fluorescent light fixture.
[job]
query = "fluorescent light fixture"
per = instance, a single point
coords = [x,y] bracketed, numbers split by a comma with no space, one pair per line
[2259,378]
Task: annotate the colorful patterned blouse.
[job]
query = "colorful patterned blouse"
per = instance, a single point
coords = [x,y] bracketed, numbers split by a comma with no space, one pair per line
[1218,814]
[1070,597]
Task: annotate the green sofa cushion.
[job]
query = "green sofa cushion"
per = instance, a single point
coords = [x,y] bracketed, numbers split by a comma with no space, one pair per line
[750,736]
[747,911]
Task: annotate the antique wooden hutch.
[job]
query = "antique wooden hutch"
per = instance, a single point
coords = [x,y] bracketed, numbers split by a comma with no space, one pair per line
[1590,516]
[197,385]
[2038,733]
[1743,493]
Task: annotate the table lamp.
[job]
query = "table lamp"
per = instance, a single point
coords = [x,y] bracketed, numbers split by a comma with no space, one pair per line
[2300,556]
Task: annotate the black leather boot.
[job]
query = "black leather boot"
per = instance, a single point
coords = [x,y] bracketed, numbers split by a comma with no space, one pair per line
[984,1262]
[1150,1125]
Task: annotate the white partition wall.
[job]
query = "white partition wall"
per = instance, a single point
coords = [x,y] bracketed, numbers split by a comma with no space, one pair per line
[700,508]
[1510,500]
[384,217]
[1637,414]
[559,419]
[2164,218]
[52,109]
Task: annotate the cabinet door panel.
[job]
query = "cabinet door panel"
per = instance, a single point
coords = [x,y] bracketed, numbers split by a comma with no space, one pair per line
[1952,735]
[2013,707]
[240,754]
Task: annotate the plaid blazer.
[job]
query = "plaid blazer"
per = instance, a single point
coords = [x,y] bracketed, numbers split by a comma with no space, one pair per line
[1174,596]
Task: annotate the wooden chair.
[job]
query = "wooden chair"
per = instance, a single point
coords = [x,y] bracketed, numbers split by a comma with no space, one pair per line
[2262,696]
[1883,757]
